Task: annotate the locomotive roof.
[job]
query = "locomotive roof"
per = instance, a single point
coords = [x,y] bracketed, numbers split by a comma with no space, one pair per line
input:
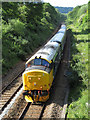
[63,26]
[48,51]
[59,35]
[61,31]
[57,38]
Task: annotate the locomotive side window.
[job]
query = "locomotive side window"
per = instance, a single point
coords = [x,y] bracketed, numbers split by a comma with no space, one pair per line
[31,63]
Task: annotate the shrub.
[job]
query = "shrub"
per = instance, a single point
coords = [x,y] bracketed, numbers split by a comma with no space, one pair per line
[25,29]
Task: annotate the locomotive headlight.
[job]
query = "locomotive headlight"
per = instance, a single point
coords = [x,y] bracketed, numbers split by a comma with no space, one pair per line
[29,78]
[25,74]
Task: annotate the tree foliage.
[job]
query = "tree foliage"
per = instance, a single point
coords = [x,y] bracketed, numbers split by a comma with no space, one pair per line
[77,23]
[24,28]
[79,17]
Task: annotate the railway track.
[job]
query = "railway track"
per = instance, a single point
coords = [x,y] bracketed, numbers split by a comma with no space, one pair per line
[7,94]
[32,111]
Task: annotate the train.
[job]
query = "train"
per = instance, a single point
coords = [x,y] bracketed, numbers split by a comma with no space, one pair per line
[41,68]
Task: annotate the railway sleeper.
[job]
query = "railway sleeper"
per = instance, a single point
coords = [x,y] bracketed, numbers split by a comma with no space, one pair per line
[8,95]
[3,98]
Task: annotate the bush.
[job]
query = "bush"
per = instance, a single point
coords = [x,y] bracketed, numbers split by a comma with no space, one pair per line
[25,29]
[18,27]
[78,77]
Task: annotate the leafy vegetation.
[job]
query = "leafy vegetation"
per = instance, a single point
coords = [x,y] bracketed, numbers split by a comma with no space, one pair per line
[78,79]
[27,26]
[24,28]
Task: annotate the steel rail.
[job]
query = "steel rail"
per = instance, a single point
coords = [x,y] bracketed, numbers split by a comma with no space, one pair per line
[30,108]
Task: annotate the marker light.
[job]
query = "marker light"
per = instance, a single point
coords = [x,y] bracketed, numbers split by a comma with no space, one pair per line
[30,92]
[41,87]
[29,78]
[39,78]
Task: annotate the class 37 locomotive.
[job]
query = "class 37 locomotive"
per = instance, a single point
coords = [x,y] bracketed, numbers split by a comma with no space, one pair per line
[41,68]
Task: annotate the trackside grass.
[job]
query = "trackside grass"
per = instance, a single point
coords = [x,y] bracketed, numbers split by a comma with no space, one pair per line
[78,79]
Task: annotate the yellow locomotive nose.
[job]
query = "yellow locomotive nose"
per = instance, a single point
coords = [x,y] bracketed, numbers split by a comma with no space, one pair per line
[36,80]
[36,85]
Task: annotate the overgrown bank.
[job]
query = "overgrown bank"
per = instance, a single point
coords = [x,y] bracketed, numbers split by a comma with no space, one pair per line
[24,28]
[77,22]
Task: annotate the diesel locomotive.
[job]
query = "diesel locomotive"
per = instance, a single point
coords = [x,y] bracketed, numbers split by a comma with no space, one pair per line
[41,68]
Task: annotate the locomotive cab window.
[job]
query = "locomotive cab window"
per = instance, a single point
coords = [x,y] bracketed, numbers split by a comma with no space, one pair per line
[38,62]
[45,63]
